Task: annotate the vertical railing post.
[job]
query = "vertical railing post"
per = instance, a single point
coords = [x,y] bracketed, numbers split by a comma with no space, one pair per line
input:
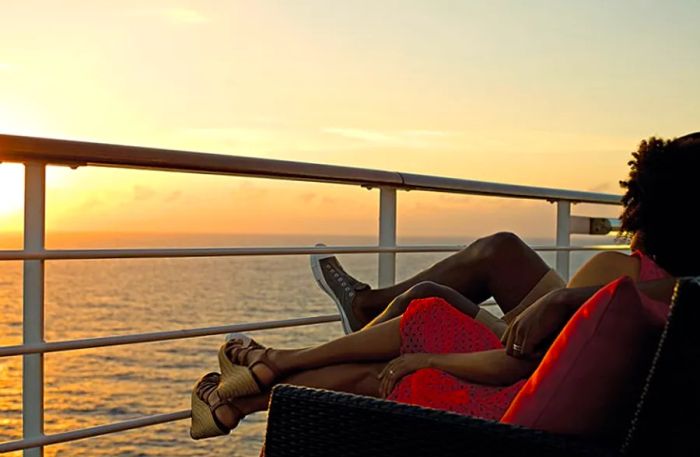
[387,235]
[33,320]
[563,237]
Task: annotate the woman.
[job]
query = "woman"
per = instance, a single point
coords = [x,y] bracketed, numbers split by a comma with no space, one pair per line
[439,352]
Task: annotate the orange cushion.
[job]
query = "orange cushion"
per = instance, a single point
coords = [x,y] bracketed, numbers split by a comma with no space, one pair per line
[591,377]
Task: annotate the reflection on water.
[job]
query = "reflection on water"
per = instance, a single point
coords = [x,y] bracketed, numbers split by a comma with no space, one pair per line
[98,298]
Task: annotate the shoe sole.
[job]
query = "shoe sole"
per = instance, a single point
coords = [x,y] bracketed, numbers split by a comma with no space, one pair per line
[321,280]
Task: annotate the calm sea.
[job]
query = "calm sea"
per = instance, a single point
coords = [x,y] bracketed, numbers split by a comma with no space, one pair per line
[107,297]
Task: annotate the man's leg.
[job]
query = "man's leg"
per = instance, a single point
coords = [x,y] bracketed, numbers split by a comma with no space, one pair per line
[501,266]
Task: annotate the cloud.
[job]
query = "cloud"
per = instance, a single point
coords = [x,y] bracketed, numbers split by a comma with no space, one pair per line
[250,191]
[364,135]
[175,15]
[245,135]
[605,187]
[458,200]
[307,196]
[185,16]
[426,133]
[175,195]
[143,193]
[403,138]
[90,203]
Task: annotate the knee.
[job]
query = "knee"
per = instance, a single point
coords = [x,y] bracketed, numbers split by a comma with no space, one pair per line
[493,245]
[424,289]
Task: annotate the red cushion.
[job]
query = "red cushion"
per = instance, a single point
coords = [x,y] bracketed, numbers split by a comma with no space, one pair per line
[591,377]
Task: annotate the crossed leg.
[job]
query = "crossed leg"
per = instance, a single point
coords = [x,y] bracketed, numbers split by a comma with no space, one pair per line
[348,364]
[501,266]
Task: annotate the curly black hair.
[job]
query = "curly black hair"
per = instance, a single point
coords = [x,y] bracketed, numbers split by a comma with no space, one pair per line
[661,202]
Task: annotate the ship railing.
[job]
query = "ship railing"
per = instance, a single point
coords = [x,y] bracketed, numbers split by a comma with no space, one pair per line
[37,153]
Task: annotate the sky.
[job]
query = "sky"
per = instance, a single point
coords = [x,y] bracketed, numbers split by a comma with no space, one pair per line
[543,93]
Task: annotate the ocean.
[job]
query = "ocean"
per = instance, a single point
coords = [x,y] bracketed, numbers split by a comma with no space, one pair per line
[114,297]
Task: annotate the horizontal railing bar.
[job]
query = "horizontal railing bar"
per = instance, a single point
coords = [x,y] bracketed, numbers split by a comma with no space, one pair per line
[15,148]
[87,343]
[471,187]
[76,153]
[74,435]
[86,254]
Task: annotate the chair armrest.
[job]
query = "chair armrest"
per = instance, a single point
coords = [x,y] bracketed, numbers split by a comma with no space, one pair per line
[312,422]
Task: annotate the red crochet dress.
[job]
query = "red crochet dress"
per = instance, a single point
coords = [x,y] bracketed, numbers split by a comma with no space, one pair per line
[432,325]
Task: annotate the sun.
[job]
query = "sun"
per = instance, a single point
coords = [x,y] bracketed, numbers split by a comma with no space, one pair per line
[11,193]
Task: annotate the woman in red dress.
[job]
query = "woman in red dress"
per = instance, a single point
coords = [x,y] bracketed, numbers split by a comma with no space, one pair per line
[426,342]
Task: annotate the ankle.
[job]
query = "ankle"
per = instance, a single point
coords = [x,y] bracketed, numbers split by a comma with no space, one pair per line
[361,306]
[252,404]
[284,359]
[366,307]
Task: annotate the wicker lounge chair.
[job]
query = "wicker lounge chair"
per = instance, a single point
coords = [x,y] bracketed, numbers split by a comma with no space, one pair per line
[311,422]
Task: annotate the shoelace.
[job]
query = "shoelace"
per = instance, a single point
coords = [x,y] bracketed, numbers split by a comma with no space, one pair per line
[343,283]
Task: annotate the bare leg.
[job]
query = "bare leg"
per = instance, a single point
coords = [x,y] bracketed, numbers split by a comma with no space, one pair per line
[357,378]
[380,343]
[423,290]
[500,266]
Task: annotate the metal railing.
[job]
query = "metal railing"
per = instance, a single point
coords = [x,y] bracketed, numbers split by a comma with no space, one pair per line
[37,153]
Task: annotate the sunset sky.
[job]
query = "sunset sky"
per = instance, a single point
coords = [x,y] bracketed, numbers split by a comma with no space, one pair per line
[543,93]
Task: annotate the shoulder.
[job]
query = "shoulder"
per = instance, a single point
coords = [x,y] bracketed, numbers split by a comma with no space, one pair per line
[605,267]
[616,259]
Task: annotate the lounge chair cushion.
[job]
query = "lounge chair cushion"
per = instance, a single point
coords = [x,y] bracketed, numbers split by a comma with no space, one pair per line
[590,378]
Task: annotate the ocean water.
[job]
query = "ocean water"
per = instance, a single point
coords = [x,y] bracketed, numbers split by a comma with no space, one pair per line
[109,297]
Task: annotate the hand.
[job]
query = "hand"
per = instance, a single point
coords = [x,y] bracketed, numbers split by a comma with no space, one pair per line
[544,318]
[398,368]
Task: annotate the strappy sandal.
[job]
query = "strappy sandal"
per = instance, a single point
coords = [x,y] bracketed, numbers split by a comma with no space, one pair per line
[236,380]
[204,421]
[239,380]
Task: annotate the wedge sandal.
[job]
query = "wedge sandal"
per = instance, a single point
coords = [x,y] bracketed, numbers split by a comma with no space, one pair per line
[204,422]
[240,380]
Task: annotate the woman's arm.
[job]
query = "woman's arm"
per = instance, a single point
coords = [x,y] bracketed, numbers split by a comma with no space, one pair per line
[535,327]
[493,367]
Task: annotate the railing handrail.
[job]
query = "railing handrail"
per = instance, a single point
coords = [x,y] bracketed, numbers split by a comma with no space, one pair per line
[157,253]
[169,335]
[14,148]
[91,432]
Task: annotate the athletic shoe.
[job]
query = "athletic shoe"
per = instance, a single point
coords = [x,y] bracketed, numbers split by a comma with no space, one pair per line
[339,285]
